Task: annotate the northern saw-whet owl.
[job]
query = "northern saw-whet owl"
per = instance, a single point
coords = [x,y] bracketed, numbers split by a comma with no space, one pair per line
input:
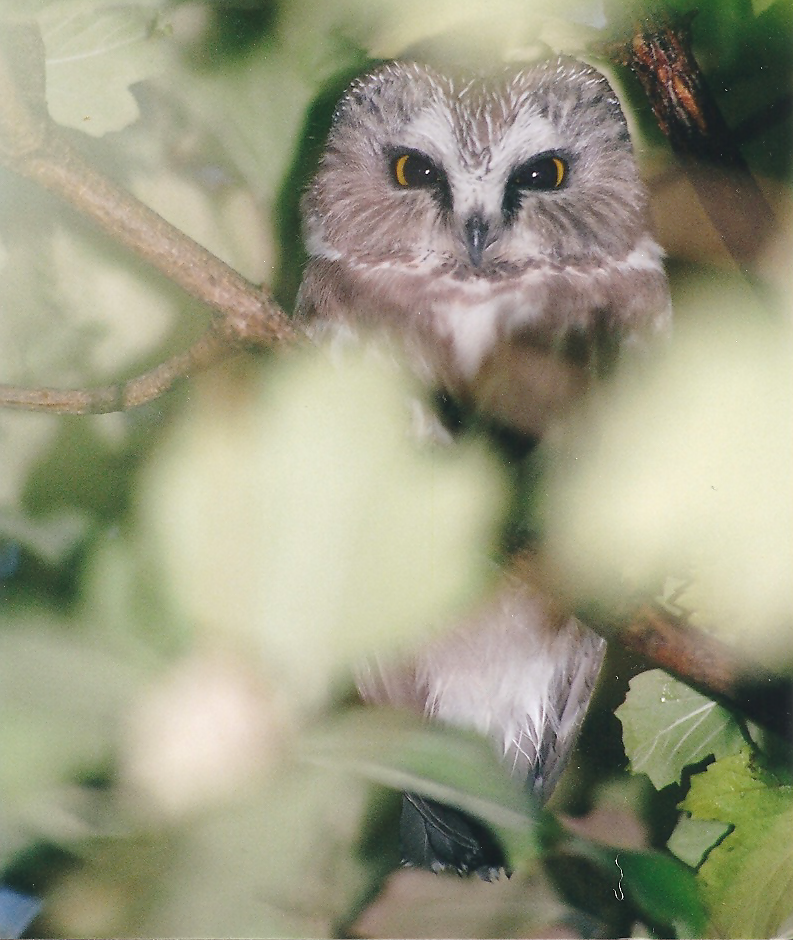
[495,229]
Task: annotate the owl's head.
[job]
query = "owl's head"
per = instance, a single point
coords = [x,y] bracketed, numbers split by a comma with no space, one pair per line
[479,176]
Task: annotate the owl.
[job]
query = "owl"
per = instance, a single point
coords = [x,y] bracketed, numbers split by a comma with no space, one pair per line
[493,228]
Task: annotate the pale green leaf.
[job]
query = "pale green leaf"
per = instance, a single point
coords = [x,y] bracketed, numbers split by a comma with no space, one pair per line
[747,878]
[465,30]
[21,10]
[693,838]
[26,9]
[301,516]
[94,53]
[257,108]
[52,539]
[277,865]
[63,698]
[667,726]
[655,485]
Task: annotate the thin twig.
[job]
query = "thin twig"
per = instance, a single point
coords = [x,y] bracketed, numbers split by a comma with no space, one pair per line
[209,349]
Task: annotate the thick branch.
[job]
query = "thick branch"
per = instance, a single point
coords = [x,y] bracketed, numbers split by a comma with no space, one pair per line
[686,111]
[668,642]
[249,315]
[31,145]
[710,666]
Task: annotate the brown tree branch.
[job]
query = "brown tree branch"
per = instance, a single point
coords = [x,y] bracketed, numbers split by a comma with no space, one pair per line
[32,146]
[661,56]
[710,666]
[668,642]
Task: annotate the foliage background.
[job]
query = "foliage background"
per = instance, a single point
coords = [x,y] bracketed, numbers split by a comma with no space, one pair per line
[174,763]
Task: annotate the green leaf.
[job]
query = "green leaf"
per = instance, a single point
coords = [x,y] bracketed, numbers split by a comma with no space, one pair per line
[747,879]
[277,860]
[21,10]
[63,698]
[664,890]
[666,726]
[302,518]
[693,838]
[94,53]
[447,764]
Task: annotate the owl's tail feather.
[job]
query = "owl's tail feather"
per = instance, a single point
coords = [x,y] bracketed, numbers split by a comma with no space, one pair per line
[441,838]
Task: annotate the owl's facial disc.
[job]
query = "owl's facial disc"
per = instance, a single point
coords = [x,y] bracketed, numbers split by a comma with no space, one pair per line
[481,178]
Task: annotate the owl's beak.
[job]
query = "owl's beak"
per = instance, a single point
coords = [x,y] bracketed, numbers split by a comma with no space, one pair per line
[476,231]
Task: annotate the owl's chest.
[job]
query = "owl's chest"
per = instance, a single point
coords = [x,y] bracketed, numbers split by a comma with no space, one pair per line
[454,321]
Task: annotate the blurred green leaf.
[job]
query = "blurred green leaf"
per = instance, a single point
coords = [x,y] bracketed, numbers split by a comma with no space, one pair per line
[21,10]
[452,766]
[63,697]
[256,107]
[304,518]
[664,890]
[686,469]
[281,864]
[747,879]
[94,53]
[666,726]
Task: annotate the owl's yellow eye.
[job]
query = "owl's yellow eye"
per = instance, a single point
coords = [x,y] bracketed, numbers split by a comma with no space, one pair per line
[399,169]
[544,173]
[540,175]
[412,170]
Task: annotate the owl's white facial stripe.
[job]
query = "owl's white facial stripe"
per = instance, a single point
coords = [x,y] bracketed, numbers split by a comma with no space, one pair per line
[478,164]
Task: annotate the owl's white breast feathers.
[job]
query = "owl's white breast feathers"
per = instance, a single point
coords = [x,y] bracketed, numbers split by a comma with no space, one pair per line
[472,313]
[511,672]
